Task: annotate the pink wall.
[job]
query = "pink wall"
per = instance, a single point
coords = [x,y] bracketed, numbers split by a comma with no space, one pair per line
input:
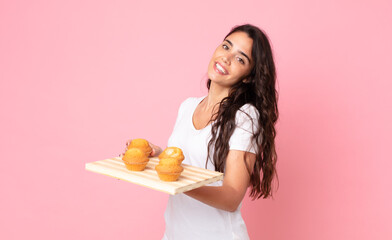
[78,78]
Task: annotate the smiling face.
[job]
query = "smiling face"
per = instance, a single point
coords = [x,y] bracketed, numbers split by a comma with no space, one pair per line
[232,60]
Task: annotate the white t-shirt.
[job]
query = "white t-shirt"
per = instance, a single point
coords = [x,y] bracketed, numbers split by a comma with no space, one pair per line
[185,217]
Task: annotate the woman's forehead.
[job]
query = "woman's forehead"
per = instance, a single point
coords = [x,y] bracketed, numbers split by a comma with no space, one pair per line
[241,41]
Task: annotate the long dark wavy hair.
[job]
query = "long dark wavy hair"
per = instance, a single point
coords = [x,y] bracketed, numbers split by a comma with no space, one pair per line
[259,90]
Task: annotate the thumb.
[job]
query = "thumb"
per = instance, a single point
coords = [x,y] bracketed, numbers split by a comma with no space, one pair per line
[152,152]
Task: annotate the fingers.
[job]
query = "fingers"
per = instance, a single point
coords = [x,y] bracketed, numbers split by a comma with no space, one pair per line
[155,149]
[126,147]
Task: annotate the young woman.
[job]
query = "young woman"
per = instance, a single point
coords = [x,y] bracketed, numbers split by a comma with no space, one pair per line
[230,130]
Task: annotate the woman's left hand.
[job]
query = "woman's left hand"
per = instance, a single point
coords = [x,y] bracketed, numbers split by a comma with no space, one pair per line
[235,183]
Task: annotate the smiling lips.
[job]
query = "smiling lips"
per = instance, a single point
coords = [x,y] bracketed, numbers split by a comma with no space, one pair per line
[220,69]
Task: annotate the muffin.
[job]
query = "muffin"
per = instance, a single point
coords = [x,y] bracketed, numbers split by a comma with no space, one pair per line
[142,144]
[168,169]
[172,152]
[135,159]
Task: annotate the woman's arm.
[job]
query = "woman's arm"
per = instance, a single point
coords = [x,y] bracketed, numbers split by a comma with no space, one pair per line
[235,183]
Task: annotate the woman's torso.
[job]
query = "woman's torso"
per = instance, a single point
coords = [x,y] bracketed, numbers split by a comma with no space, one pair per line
[187,218]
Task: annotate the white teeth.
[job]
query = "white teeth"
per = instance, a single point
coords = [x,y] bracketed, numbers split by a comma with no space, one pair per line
[220,68]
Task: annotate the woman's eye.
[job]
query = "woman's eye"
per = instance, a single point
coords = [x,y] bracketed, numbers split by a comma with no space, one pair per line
[240,60]
[225,46]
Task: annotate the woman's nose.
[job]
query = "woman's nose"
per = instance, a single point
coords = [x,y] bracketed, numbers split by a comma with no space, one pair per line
[226,59]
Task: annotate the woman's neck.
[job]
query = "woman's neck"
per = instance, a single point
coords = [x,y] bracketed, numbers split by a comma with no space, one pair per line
[215,95]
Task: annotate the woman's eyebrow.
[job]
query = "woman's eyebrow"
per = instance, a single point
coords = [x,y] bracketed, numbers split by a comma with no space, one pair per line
[231,44]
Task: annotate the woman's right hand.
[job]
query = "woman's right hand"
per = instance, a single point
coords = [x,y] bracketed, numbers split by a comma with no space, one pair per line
[126,147]
[156,150]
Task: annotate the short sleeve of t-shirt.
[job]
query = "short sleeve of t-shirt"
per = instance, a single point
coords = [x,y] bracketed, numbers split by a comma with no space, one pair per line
[246,124]
[180,112]
[181,109]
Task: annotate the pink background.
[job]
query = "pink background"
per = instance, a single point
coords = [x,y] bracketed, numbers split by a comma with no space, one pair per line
[79,78]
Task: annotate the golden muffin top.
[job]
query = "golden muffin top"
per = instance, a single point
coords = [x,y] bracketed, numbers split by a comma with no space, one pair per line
[141,144]
[134,155]
[172,152]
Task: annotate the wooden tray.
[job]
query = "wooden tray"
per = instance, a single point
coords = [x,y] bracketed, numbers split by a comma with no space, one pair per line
[191,178]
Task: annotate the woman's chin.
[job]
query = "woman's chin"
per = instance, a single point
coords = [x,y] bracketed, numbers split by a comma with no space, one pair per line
[214,77]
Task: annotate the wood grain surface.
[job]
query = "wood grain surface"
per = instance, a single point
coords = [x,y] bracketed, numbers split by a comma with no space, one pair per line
[191,178]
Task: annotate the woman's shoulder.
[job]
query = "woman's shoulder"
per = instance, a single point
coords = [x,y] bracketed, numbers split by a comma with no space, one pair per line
[188,105]
[191,101]
[247,118]
[248,110]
